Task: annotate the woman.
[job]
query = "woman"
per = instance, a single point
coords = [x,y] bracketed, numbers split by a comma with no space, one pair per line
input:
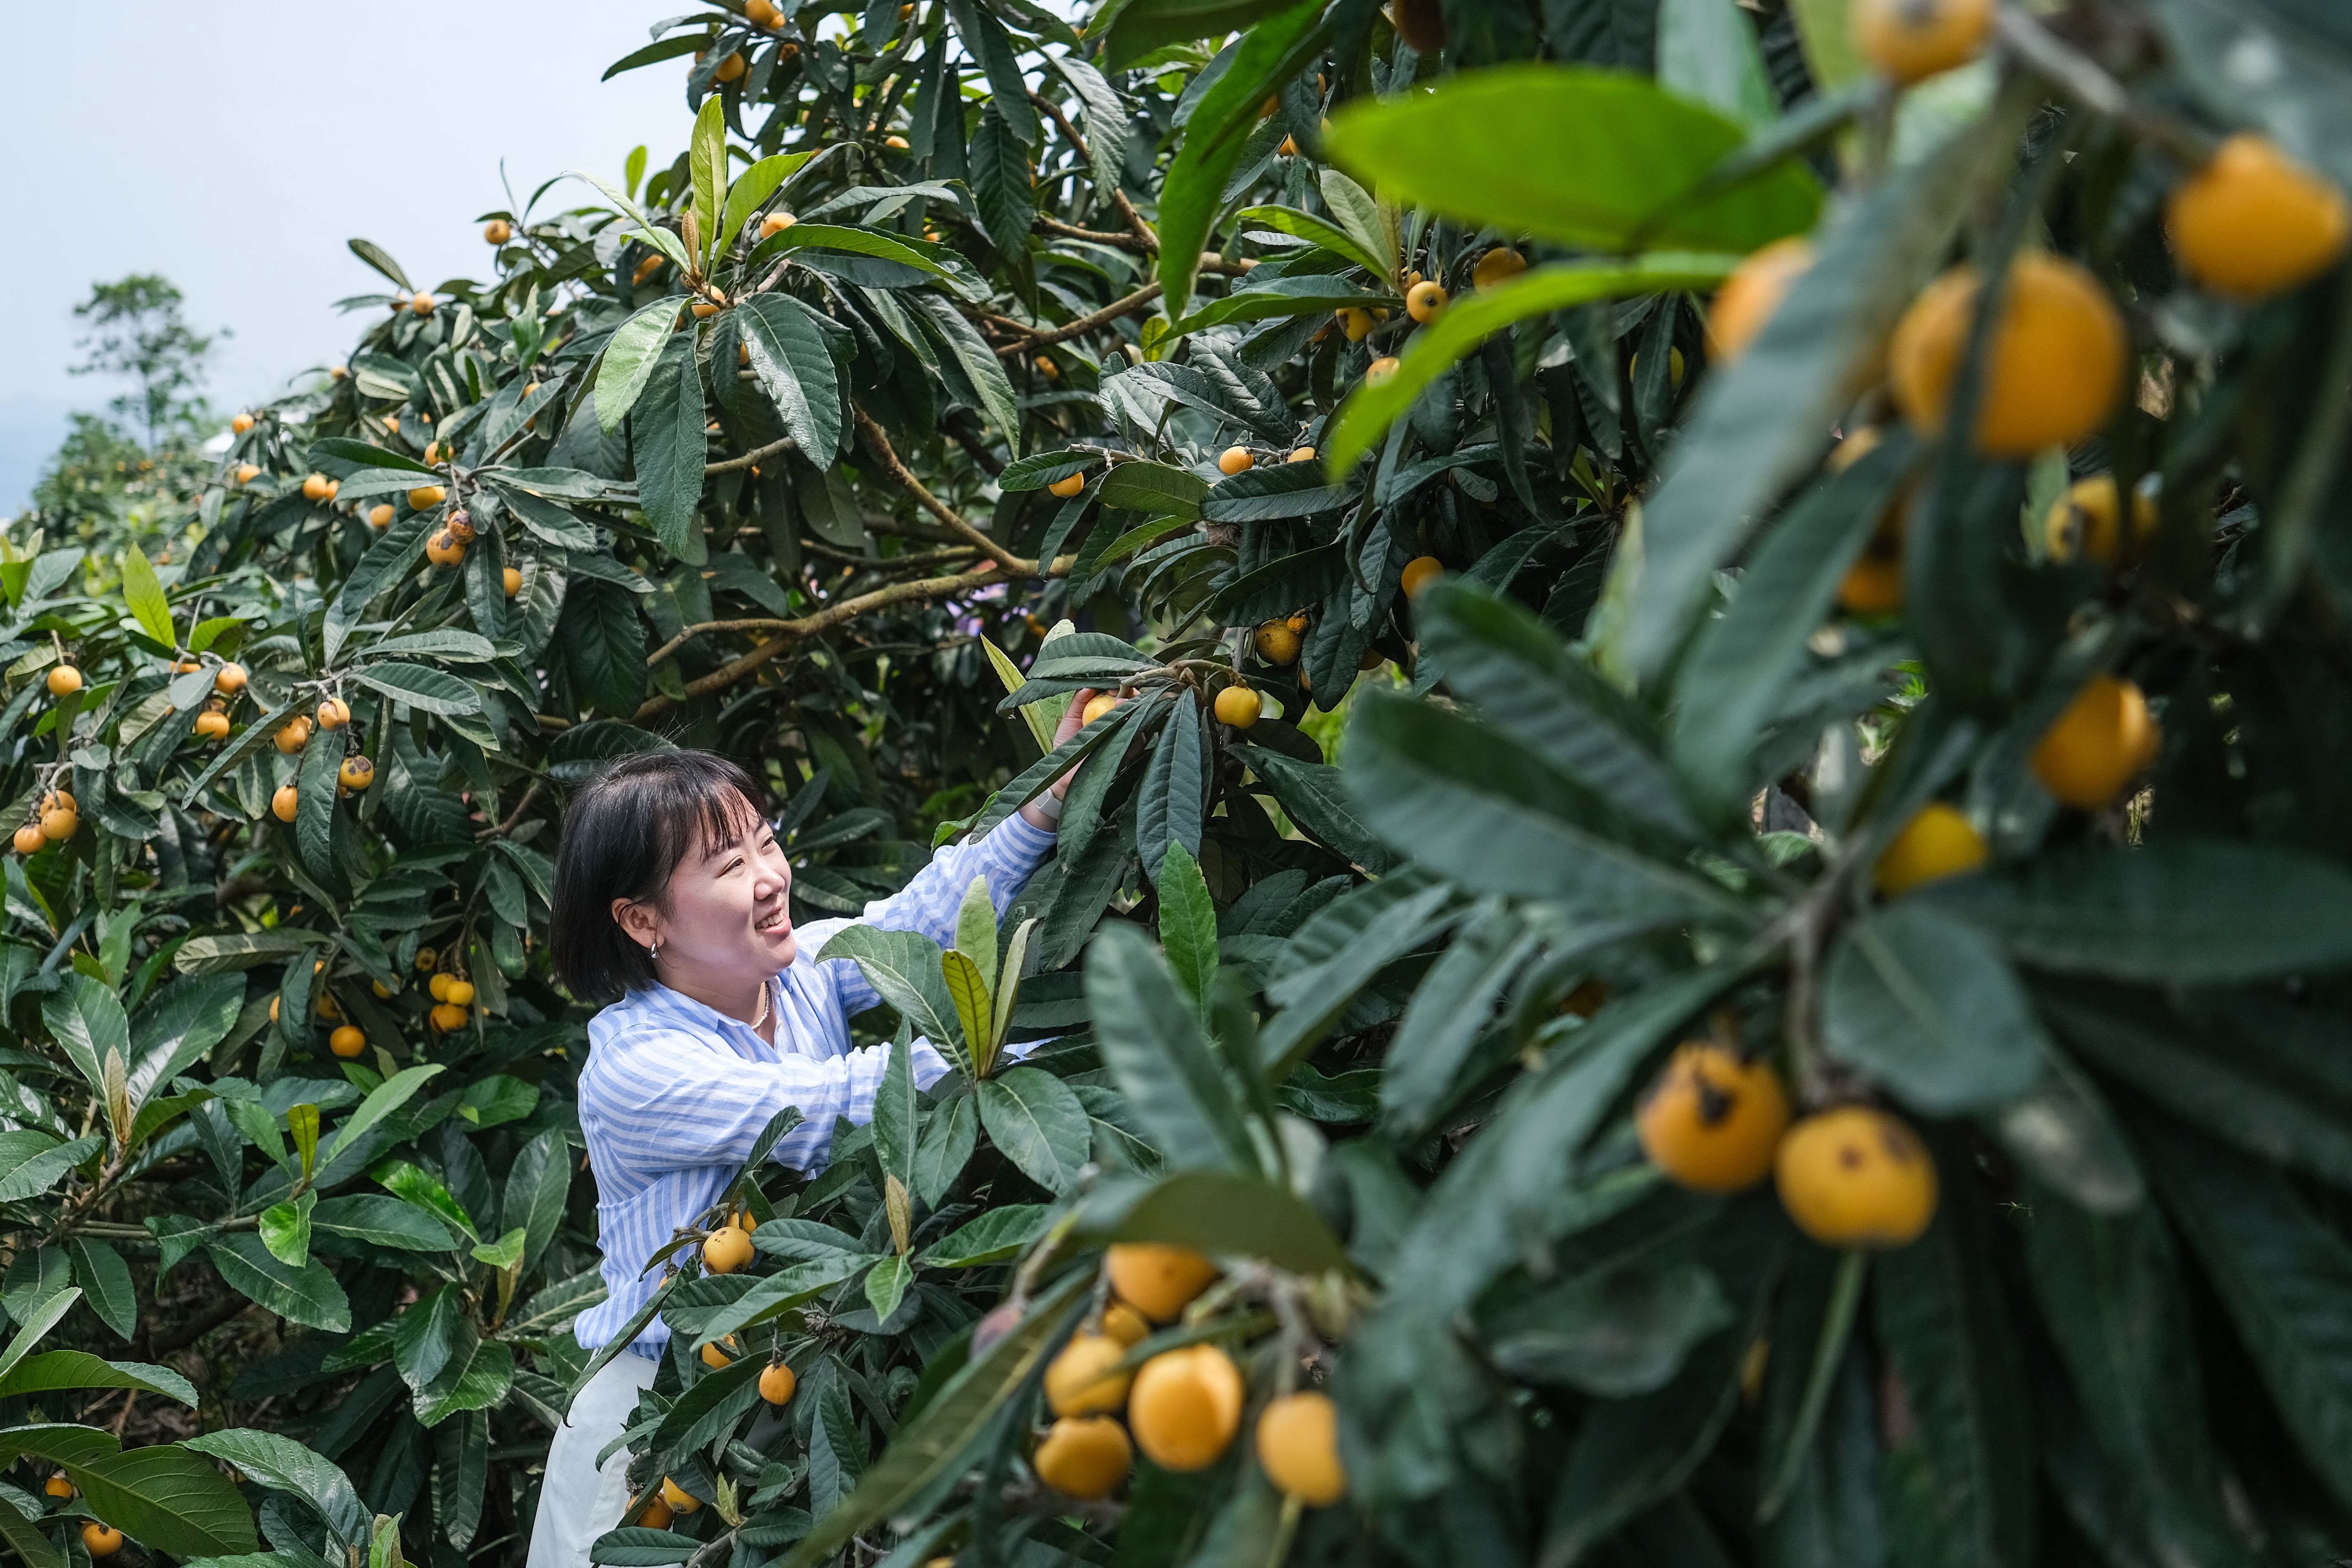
[671,890]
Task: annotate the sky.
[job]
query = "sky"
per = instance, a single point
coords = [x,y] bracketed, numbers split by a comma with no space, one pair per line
[235,147]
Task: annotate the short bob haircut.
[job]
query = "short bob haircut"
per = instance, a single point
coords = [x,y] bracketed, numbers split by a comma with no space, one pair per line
[623,834]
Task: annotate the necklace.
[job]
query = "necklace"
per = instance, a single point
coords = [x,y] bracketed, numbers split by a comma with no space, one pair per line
[761,1016]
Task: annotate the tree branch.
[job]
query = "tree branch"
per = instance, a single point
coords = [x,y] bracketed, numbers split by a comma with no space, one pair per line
[877,441]
[538,786]
[1083,324]
[748,459]
[1141,230]
[789,633]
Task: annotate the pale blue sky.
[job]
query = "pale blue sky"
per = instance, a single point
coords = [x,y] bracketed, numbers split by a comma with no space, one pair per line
[233,148]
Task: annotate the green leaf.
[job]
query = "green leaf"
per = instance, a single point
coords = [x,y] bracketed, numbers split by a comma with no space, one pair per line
[886,1286]
[795,369]
[975,929]
[375,256]
[706,158]
[1756,425]
[1037,1123]
[1188,927]
[1142,27]
[1271,53]
[106,1283]
[969,991]
[285,1464]
[757,184]
[1218,1211]
[904,966]
[1364,419]
[85,1018]
[384,1221]
[1299,294]
[1707,52]
[308,1295]
[939,262]
[505,1252]
[661,239]
[1732,687]
[629,358]
[894,1116]
[32,1162]
[1153,1044]
[1001,184]
[2282,1272]
[994,1237]
[1619,1331]
[381,1102]
[1160,489]
[2304,57]
[2181,911]
[1921,1002]
[41,1302]
[143,592]
[1595,158]
[168,1497]
[1317,799]
[1961,1471]
[416,1186]
[1172,803]
[56,1371]
[670,446]
[1454,1005]
[433,690]
[1318,231]
[946,1145]
[2111,1292]
[285,1230]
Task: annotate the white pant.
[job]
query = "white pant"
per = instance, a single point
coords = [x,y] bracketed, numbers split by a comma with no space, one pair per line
[578,1501]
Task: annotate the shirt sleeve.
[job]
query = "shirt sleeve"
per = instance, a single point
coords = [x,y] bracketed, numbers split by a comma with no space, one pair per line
[1008,857]
[674,1104]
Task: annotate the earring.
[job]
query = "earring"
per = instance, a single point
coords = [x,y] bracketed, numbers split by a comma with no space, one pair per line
[653,949]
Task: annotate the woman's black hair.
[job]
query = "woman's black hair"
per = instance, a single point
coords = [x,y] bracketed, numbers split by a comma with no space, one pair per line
[623,834]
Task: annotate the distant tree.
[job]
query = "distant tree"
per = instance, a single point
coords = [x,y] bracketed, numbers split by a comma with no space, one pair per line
[140,335]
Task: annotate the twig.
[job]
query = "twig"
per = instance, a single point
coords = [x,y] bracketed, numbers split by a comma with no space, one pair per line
[926,560]
[1142,230]
[877,441]
[792,632]
[1083,324]
[196,1327]
[748,459]
[537,786]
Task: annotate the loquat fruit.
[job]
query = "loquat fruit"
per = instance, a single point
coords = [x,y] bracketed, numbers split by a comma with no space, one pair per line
[1420,572]
[285,803]
[315,488]
[777,1384]
[679,1500]
[1239,706]
[2253,221]
[1357,324]
[896,143]
[422,304]
[1156,1281]
[1125,1324]
[101,1539]
[247,472]
[241,423]
[30,839]
[1096,706]
[1939,841]
[2087,520]
[1298,1447]
[1065,488]
[461,993]
[730,69]
[1425,302]
[64,680]
[1084,1456]
[211,725]
[647,268]
[425,497]
[512,577]
[1856,1176]
[294,735]
[1301,454]
[380,515]
[724,1250]
[1380,370]
[229,680]
[444,549]
[446,1019]
[1911,40]
[1234,460]
[438,987]
[1079,1381]
[2053,371]
[1712,1118]
[460,526]
[657,1515]
[59,1485]
[1500,265]
[425,957]
[1750,295]
[356,773]
[333,713]
[1278,643]
[719,1354]
[346,1041]
[1185,1407]
[498,231]
[2102,740]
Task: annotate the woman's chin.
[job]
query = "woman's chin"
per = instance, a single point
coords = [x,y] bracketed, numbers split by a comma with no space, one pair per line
[785,947]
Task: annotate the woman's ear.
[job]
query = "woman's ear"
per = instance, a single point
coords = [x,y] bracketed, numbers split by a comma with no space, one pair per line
[640,921]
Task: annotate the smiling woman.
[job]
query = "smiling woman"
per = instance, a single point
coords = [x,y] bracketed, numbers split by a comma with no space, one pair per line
[672,890]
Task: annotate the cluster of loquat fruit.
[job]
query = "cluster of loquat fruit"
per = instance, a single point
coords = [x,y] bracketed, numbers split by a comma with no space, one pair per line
[355,773]
[1183,1406]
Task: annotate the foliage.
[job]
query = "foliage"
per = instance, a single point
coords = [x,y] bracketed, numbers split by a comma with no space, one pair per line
[1371,1034]
[138,333]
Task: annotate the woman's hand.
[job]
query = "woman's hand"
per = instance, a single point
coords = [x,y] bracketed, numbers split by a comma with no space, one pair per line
[1073,720]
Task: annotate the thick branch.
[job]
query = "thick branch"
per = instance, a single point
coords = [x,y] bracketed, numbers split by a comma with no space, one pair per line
[789,633]
[878,442]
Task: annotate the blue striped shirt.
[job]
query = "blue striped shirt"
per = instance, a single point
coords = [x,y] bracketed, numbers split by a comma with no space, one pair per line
[675,1092]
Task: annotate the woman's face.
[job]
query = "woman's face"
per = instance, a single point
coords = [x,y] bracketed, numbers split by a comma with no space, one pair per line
[729,921]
